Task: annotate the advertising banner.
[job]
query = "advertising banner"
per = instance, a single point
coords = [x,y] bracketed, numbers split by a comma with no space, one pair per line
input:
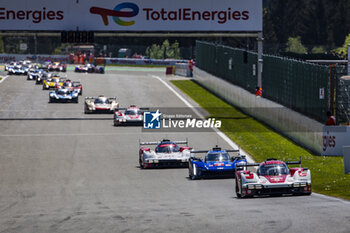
[133,15]
[4,58]
[334,138]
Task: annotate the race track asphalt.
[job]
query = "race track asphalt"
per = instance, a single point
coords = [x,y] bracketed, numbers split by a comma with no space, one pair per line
[81,174]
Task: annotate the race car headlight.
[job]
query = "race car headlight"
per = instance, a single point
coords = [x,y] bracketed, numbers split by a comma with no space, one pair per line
[296,185]
[152,161]
[302,184]
[256,186]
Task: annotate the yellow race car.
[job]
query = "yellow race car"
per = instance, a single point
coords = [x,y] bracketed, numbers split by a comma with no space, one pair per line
[53,82]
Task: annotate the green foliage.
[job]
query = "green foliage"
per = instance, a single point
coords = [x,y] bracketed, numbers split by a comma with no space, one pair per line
[166,50]
[317,22]
[261,142]
[294,45]
[343,51]
[318,50]
[58,50]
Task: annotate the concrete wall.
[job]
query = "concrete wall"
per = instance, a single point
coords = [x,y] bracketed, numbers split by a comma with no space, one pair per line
[182,69]
[299,128]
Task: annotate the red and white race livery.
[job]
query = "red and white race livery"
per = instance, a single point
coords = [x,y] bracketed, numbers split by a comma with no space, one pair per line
[166,154]
[57,66]
[273,177]
[100,104]
[130,115]
[72,86]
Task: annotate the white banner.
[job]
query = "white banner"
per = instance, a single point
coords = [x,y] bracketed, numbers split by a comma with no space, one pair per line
[133,15]
[4,58]
[334,138]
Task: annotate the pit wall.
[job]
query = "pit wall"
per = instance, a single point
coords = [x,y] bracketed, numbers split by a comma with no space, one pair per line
[297,127]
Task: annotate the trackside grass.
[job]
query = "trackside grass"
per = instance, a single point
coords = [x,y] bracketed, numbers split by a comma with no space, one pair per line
[262,142]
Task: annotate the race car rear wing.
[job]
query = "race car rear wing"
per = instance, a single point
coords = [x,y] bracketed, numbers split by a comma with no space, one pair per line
[206,151]
[156,143]
[257,164]
[110,98]
[294,162]
[142,109]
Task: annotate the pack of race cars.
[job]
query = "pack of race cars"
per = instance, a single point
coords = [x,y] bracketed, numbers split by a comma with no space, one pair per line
[271,177]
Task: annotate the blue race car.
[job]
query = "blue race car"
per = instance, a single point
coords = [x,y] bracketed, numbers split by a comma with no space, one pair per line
[63,95]
[17,70]
[217,164]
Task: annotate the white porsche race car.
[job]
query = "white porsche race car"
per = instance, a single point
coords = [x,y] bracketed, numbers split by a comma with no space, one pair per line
[130,115]
[166,154]
[100,104]
[273,177]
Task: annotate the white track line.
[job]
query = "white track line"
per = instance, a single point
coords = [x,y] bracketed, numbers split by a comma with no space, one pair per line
[331,198]
[3,78]
[221,134]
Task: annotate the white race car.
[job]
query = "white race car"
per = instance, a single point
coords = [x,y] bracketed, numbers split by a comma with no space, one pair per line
[101,104]
[10,65]
[17,70]
[130,115]
[166,154]
[273,177]
[34,74]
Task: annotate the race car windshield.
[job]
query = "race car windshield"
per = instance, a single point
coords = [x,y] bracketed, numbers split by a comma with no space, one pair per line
[67,84]
[133,112]
[101,101]
[168,148]
[62,92]
[273,170]
[219,157]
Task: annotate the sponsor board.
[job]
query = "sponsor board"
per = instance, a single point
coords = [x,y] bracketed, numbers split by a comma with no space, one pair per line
[4,58]
[135,15]
[334,138]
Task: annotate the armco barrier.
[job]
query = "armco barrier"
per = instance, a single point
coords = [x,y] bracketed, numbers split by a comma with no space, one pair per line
[299,128]
[182,69]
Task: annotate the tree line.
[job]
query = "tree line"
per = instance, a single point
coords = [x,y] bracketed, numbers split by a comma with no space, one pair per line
[320,25]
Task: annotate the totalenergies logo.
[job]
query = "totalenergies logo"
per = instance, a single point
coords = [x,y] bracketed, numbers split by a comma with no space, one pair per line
[117,13]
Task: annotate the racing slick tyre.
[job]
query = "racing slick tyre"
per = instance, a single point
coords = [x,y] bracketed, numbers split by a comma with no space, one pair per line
[86,110]
[76,101]
[193,172]
[81,92]
[236,187]
[141,163]
[51,100]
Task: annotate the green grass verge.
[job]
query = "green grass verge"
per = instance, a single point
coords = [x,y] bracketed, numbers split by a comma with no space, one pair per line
[261,142]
